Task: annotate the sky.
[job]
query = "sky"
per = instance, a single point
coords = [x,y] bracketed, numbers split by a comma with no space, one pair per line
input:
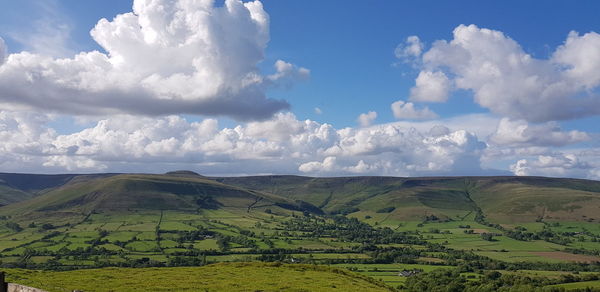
[318,88]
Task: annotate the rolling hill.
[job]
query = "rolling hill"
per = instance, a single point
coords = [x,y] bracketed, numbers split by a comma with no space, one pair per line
[499,199]
[184,191]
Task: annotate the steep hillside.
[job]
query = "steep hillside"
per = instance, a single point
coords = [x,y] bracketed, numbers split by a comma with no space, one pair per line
[9,195]
[501,199]
[35,182]
[84,194]
[332,194]
[527,199]
[16,187]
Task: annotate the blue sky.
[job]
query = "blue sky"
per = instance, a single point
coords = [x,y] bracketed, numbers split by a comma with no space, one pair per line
[347,50]
[350,48]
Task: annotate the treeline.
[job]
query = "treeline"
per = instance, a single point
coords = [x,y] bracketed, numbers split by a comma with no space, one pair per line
[546,234]
[452,280]
[349,230]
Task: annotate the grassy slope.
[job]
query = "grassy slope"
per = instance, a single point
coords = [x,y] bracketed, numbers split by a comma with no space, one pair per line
[510,200]
[17,187]
[217,277]
[502,199]
[9,195]
[38,182]
[149,192]
[578,285]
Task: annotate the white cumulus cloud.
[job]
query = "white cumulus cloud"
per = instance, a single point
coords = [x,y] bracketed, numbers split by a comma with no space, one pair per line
[366,119]
[282,144]
[521,133]
[431,87]
[411,48]
[407,110]
[556,164]
[165,57]
[510,82]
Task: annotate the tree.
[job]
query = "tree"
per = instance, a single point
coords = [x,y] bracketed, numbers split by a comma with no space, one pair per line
[14,226]
[487,236]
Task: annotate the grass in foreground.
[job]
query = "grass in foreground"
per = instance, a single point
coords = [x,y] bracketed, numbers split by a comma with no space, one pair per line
[217,277]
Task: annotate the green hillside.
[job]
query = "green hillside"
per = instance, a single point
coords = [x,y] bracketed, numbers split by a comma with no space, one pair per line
[501,199]
[16,187]
[36,182]
[174,191]
[9,195]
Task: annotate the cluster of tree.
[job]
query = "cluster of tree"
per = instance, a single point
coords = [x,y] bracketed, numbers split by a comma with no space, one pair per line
[386,210]
[191,236]
[468,261]
[403,255]
[583,251]
[452,280]
[488,236]
[349,230]
[345,210]
[277,257]
[187,261]
[224,241]
[13,226]
[521,233]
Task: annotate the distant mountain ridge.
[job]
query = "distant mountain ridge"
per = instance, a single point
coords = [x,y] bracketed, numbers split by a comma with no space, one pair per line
[502,199]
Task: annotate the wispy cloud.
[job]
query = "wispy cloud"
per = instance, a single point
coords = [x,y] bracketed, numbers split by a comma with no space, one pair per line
[50,34]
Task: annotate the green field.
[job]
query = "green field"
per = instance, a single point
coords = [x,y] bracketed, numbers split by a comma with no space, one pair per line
[578,285]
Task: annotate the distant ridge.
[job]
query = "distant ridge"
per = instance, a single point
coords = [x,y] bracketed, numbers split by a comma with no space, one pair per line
[183,173]
[502,199]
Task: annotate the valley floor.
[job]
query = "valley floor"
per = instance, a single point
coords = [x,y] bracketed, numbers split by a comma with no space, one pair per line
[377,248]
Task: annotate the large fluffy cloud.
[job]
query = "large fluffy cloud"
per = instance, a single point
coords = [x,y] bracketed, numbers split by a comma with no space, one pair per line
[557,164]
[510,82]
[282,144]
[520,133]
[287,145]
[518,140]
[165,57]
